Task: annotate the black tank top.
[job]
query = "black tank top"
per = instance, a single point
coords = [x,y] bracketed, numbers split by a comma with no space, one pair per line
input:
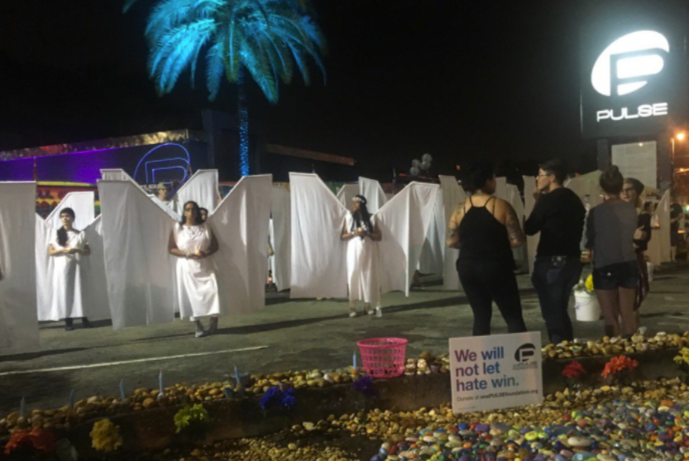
[483,237]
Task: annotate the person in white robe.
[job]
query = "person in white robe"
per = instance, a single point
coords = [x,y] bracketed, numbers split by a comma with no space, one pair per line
[68,248]
[196,284]
[363,266]
[165,195]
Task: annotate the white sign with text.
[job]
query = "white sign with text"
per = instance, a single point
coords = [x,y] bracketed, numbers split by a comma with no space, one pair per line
[492,372]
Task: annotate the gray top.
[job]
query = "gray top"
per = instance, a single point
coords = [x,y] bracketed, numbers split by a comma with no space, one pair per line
[610,233]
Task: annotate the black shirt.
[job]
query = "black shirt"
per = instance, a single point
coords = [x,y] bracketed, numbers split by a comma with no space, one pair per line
[645,223]
[559,217]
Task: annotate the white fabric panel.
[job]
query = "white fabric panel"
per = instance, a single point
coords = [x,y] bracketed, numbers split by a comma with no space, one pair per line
[664,222]
[347,193]
[202,188]
[116,175]
[83,205]
[281,236]
[44,270]
[121,175]
[373,191]
[529,202]
[140,270]
[453,196]
[319,268]
[99,307]
[404,223]
[241,226]
[18,319]
[501,187]
[587,185]
[431,260]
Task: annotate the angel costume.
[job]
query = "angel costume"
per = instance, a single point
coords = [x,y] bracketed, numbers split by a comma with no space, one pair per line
[197,285]
[70,288]
[363,271]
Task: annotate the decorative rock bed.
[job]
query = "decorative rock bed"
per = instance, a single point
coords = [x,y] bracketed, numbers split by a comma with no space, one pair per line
[146,420]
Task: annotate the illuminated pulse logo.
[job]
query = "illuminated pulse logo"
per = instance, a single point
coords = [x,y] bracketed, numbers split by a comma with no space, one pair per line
[627,63]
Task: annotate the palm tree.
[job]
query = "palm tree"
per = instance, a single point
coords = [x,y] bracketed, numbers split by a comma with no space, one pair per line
[262,37]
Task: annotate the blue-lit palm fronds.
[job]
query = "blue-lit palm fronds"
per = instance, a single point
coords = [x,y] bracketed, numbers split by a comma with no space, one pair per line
[264,37]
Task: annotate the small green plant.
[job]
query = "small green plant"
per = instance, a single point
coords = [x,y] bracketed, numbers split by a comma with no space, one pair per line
[191,418]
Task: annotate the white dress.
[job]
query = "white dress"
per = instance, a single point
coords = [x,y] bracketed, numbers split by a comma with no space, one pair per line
[196,283]
[363,268]
[70,286]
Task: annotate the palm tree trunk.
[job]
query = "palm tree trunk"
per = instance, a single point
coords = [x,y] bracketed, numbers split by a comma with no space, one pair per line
[243,125]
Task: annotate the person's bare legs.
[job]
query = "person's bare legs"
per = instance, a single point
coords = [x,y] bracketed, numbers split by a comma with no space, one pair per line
[609,304]
[627,300]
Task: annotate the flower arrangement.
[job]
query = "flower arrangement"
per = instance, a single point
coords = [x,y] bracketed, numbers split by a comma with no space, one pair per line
[585,286]
[365,386]
[105,436]
[683,359]
[618,365]
[275,397]
[37,439]
[573,371]
[191,418]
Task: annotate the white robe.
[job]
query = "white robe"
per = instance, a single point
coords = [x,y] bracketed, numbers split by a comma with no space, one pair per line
[363,268]
[69,283]
[196,282]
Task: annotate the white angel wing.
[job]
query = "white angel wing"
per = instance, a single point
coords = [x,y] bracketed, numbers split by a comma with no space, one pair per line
[403,223]
[81,203]
[44,271]
[121,175]
[98,307]
[18,319]
[375,196]
[140,269]
[319,266]
[432,254]
[347,193]
[202,188]
[453,195]
[280,236]
[240,224]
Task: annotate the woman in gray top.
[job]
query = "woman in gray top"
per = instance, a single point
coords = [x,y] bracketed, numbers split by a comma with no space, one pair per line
[610,234]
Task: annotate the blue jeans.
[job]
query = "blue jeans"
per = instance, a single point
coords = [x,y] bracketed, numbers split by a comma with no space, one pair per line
[554,287]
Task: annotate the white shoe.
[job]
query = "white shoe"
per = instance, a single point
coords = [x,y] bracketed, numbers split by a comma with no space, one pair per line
[352,313]
[370,311]
[379,312]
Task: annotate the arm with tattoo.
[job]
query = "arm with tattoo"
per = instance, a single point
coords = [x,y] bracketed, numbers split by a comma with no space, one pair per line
[514,229]
[453,240]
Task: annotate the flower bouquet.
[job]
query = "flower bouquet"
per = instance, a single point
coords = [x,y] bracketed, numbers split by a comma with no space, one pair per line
[585,302]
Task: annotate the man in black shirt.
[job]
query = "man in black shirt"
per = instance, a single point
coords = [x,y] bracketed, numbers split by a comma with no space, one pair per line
[559,216]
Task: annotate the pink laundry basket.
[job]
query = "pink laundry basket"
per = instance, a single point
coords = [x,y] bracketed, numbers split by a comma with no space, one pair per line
[383,357]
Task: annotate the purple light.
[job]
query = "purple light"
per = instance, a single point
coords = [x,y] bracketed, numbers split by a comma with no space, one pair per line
[68,153]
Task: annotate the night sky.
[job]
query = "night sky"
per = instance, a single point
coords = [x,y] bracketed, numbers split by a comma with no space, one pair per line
[456,79]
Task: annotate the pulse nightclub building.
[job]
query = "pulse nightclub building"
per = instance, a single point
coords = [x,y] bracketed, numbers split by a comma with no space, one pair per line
[634,92]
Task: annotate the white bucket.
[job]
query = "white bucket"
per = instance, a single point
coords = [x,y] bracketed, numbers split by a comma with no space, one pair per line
[649,266]
[586,307]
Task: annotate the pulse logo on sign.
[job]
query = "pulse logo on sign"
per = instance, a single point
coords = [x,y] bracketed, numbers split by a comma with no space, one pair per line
[524,356]
[627,65]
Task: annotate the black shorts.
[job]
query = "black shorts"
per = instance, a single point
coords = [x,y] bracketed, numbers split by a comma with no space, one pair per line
[614,276]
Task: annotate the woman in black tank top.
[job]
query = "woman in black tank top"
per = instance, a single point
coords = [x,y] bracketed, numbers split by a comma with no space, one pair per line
[485,229]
